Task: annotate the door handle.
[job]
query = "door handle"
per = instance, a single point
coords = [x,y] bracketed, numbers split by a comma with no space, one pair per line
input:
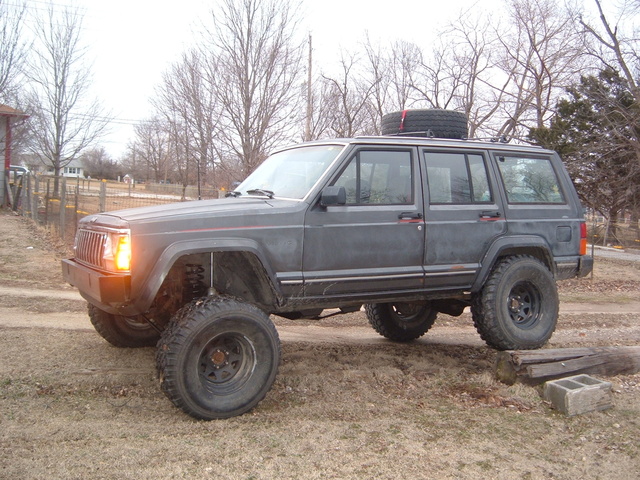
[490,214]
[410,216]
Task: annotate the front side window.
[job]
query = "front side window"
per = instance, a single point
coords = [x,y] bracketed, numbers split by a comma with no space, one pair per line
[530,180]
[457,178]
[378,177]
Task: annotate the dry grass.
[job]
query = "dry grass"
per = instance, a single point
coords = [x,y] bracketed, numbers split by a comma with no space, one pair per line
[71,406]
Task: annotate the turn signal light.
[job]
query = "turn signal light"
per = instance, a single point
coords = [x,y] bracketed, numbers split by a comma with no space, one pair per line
[117,251]
[123,253]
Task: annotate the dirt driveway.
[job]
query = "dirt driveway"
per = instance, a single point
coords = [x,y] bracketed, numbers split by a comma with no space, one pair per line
[347,404]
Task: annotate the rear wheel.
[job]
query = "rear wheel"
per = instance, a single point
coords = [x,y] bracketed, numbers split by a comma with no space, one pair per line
[119,331]
[401,322]
[518,305]
[218,358]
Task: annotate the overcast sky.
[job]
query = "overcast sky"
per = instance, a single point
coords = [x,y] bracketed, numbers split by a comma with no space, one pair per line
[132,42]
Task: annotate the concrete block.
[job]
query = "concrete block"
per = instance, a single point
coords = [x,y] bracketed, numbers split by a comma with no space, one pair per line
[578,394]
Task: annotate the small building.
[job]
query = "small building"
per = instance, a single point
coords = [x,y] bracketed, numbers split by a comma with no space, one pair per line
[73,170]
[8,116]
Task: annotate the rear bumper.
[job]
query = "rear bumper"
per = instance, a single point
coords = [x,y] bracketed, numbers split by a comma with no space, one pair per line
[585,266]
[572,267]
[97,288]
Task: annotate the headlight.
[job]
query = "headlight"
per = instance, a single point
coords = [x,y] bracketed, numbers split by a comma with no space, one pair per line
[117,251]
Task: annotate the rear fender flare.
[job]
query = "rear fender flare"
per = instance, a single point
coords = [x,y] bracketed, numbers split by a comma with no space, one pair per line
[513,245]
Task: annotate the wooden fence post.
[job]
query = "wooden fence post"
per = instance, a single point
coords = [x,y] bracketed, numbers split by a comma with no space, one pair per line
[103,197]
[46,203]
[63,208]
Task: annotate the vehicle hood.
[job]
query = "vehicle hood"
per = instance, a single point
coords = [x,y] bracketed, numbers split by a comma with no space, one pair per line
[228,212]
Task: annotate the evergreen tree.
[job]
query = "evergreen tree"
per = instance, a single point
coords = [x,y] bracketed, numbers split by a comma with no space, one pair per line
[597,132]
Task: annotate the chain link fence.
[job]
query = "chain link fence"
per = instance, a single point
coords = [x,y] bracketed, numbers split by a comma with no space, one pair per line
[34,196]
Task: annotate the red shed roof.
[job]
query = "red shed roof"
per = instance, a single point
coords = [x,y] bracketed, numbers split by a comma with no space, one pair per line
[7,111]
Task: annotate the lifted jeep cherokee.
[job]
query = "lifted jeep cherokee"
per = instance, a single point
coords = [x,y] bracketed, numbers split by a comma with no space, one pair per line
[406,226]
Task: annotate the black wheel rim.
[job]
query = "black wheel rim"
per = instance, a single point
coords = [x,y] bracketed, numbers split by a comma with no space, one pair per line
[226,363]
[134,323]
[408,315]
[524,305]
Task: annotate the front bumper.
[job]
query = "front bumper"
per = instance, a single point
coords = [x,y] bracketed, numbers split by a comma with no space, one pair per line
[106,290]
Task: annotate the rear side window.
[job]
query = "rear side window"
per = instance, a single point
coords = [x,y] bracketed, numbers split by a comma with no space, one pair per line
[530,180]
[457,178]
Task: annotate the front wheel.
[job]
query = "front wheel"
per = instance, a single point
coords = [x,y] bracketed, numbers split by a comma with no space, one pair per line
[218,358]
[518,305]
[125,332]
[401,322]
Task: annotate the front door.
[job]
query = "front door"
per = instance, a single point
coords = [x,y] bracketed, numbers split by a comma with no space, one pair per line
[375,242]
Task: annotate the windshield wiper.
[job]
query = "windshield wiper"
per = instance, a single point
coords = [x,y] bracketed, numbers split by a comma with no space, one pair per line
[260,191]
[234,193]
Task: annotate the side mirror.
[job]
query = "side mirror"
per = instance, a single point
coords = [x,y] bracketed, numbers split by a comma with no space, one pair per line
[333,196]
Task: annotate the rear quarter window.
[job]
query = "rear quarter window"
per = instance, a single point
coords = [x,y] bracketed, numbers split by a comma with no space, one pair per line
[530,180]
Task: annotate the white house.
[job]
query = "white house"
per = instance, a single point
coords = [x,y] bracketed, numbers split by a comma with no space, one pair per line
[73,170]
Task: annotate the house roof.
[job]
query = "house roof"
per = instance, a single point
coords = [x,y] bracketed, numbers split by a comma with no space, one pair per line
[7,111]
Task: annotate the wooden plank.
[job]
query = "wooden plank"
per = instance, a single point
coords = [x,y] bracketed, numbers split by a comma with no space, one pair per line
[537,366]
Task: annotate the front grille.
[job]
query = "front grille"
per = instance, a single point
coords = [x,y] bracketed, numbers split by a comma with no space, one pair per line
[89,247]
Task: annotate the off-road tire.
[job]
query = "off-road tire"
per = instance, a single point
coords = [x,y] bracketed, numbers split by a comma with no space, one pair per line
[517,308]
[218,358]
[401,322]
[123,332]
[435,123]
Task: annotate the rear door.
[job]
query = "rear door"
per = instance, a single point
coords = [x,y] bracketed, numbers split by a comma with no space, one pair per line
[375,242]
[463,215]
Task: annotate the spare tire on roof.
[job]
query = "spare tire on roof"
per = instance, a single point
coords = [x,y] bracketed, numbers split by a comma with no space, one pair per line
[434,122]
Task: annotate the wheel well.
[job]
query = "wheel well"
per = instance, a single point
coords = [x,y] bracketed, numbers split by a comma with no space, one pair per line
[238,274]
[533,251]
[536,252]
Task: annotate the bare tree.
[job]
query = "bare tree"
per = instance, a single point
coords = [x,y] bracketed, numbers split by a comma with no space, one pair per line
[320,109]
[151,150]
[379,75]
[542,54]
[474,52]
[63,123]
[13,48]
[256,63]
[406,59]
[615,46]
[187,101]
[98,164]
[349,97]
[438,79]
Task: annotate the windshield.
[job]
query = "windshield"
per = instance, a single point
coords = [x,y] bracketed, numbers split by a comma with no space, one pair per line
[290,173]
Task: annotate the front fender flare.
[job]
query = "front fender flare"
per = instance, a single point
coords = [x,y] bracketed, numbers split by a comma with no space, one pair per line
[173,252]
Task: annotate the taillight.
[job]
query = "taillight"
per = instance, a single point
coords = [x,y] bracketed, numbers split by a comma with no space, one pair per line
[583,238]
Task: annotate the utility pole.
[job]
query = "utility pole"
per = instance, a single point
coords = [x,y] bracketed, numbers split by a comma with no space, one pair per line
[307,131]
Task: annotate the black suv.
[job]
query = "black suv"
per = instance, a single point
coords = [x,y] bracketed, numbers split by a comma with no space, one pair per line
[407,226]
